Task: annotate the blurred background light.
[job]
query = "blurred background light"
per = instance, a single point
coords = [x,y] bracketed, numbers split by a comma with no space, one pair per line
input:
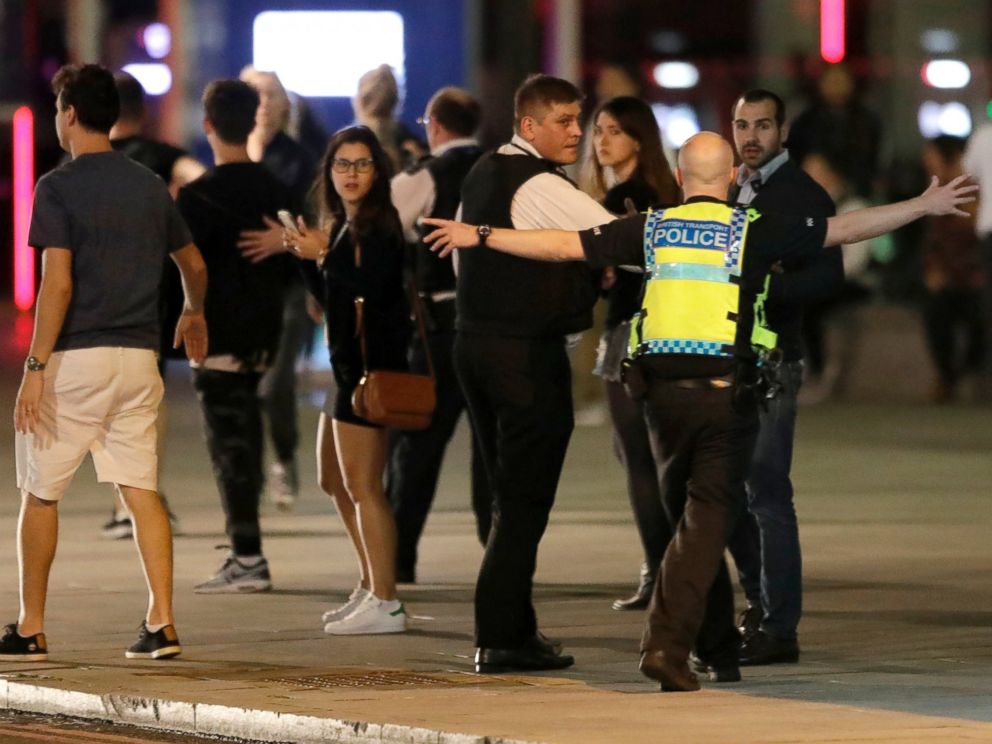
[155,77]
[157,39]
[323,53]
[939,41]
[832,41]
[946,73]
[677,75]
[677,123]
[944,118]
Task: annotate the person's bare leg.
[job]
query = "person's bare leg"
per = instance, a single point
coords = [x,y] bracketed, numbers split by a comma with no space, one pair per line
[332,483]
[362,456]
[153,536]
[37,537]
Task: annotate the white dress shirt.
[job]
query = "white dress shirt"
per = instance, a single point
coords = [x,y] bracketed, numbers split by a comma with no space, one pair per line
[549,202]
[414,194]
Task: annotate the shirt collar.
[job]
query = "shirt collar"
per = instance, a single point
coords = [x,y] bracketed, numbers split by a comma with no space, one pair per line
[765,172]
[452,144]
[525,145]
[704,198]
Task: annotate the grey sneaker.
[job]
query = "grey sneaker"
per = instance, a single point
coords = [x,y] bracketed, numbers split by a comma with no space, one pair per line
[346,609]
[284,485]
[117,528]
[233,578]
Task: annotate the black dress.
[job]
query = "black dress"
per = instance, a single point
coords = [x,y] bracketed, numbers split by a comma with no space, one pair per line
[377,276]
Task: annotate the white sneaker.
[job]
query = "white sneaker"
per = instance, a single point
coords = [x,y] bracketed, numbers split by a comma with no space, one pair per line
[371,617]
[348,607]
[284,485]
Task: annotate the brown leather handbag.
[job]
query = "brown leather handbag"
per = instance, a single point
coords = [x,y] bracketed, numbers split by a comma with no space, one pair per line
[398,400]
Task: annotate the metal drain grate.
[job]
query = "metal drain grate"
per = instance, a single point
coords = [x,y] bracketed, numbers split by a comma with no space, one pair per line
[385,679]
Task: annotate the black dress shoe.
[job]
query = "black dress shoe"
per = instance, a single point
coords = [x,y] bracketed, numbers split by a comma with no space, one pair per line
[750,620]
[641,598]
[528,658]
[762,648]
[545,644]
[673,677]
[722,670]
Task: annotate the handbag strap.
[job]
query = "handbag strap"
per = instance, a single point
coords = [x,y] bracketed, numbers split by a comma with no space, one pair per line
[418,311]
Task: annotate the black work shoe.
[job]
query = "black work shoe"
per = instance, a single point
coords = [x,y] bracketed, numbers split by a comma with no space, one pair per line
[761,648]
[162,644]
[528,658]
[750,620]
[718,670]
[673,677]
[15,647]
[641,597]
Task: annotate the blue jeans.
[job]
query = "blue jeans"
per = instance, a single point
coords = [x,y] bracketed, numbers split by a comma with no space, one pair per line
[765,543]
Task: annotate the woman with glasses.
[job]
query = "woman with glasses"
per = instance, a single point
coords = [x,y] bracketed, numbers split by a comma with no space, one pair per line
[358,252]
[624,167]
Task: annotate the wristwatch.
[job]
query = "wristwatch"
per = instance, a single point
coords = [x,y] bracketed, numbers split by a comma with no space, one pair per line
[33,364]
[483,231]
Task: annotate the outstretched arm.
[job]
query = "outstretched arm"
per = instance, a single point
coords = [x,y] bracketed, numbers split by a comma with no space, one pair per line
[542,245]
[863,224]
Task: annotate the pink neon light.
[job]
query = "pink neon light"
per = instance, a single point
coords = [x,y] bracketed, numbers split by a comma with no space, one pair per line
[832,30]
[23,196]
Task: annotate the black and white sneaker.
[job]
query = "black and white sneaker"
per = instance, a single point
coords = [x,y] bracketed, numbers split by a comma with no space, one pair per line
[118,528]
[162,644]
[15,647]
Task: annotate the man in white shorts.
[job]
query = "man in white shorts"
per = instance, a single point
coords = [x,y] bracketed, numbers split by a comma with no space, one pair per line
[104,226]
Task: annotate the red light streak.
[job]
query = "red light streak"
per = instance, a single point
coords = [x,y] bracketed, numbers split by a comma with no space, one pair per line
[23,195]
[832,30]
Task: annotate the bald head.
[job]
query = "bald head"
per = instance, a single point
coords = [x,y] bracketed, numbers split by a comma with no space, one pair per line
[706,163]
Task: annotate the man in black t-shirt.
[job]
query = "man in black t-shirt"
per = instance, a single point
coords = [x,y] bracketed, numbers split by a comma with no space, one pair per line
[701,408]
[244,312]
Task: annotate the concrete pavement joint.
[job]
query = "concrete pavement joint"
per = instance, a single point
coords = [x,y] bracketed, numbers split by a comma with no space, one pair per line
[222,720]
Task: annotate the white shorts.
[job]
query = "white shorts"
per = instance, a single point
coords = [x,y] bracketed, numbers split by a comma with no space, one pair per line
[104,401]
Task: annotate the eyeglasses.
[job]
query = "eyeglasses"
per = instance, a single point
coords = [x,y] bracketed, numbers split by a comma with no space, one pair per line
[423,120]
[340,165]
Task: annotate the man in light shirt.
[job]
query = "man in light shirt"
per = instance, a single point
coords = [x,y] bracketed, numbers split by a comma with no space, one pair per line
[433,188]
[513,318]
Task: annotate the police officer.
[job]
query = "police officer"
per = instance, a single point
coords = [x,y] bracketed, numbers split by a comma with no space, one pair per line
[432,188]
[697,345]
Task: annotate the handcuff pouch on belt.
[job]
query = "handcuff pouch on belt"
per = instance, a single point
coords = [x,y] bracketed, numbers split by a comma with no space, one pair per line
[764,381]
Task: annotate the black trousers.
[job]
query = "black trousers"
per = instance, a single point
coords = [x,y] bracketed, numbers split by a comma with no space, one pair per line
[703,442]
[520,402]
[946,313]
[232,418]
[415,456]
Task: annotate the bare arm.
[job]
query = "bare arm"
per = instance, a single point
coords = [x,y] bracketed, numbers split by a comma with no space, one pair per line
[863,224]
[542,245]
[53,301]
[191,330]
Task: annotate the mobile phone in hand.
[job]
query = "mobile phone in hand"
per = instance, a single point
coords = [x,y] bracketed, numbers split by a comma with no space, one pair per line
[287,220]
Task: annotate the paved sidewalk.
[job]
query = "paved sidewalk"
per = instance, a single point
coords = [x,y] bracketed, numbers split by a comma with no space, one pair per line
[897,635]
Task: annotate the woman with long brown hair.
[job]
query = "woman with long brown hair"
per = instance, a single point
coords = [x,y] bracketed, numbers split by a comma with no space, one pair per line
[358,252]
[625,168]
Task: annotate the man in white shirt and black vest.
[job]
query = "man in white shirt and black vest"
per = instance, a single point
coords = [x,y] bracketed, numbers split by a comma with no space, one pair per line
[513,319]
[433,188]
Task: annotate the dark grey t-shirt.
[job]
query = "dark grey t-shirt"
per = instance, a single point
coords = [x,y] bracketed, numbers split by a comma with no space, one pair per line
[119,221]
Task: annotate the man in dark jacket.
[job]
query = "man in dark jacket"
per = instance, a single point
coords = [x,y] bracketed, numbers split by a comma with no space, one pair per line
[765,545]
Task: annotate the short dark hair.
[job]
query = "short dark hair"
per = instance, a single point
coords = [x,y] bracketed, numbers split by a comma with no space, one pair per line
[91,91]
[230,107]
[757,95]
[455,110]
[541,92]
[131,95]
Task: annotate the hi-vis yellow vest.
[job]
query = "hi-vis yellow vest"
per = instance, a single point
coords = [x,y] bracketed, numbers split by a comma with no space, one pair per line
[693,256]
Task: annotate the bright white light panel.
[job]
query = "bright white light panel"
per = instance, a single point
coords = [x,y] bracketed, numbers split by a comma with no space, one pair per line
[323,53]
